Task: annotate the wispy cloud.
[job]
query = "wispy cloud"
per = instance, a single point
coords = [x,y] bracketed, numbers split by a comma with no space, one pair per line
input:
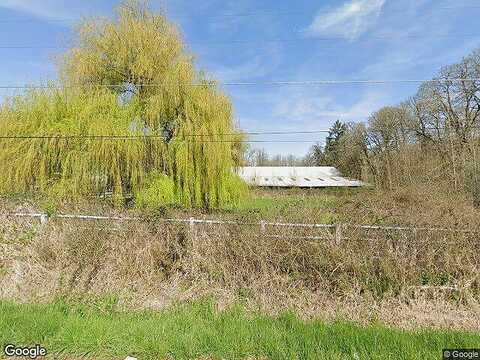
[349,20]
[48,9]
[252,67]
[321,110]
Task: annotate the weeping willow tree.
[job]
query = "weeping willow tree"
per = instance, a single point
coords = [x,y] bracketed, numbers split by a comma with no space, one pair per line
[129,103]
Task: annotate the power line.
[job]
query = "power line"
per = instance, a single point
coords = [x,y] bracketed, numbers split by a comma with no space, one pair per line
[278,40]
[332,82]
[240,133]
[161,137]
[19,47]
[332,38]
[285,132]
[234,15]
[268,141]
[294,12]
[147,136]
[93,137]
[257,83]
[45,137]
[293,132]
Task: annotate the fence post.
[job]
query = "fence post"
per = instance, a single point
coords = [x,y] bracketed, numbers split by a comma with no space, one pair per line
[262,225]
[191,225]
[193,243]
[338,233]
[43,219]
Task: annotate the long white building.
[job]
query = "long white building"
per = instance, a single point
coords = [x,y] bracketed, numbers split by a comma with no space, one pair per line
[295,176]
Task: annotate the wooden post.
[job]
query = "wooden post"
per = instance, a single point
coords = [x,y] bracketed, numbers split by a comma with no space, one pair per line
[193,242]
[338,234]
[43,219]
[262,226]
[191,224]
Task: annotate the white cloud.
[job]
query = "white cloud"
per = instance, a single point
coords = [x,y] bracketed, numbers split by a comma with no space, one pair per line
[49,9]
[318,111]
[295,111]
[349,20]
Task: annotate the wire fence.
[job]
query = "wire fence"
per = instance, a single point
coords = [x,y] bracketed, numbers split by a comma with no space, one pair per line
[337,232]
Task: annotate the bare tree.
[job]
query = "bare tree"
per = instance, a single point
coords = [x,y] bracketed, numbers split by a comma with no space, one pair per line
[450,105]
[315,156]
[353,153]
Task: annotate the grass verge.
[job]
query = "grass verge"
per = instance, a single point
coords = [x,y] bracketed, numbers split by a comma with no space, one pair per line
[196,330]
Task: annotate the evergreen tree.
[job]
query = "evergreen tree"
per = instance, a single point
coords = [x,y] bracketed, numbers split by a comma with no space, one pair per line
[335,134]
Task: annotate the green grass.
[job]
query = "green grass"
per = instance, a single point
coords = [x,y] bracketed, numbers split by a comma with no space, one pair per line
[191,331]
[285,203]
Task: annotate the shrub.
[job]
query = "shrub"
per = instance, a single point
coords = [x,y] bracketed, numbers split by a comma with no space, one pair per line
[157,193]
[235,189]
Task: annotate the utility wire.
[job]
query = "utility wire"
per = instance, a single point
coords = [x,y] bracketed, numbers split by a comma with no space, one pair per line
[278,40]
[19,47]
[294,132]
[297,12]
[330,38]
[235,15]
[240,133]
[329,82]
[148,137]
[258,83]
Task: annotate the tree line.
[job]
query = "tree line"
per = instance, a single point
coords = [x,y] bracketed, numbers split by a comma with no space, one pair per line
[431,138]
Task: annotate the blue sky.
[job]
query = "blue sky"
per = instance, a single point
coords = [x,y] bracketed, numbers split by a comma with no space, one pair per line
[266,40]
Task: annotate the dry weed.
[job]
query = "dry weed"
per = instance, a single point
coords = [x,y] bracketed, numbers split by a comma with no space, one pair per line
[400,278]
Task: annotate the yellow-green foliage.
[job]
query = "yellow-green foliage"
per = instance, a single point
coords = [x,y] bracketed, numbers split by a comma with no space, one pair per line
[235,190]
[159,191]
[130,76]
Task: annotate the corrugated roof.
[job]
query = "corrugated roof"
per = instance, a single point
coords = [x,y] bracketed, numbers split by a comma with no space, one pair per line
[295,176]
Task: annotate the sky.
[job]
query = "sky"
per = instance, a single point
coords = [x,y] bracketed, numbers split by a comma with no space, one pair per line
[265,41]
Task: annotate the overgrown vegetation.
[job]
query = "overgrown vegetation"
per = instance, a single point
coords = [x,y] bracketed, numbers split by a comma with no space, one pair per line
[129,103]
[153,263]
[198,330]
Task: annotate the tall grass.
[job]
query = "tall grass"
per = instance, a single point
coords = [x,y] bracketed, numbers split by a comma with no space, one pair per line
[75,258]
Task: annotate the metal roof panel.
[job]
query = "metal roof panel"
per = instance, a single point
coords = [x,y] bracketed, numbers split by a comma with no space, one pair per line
[295,176]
